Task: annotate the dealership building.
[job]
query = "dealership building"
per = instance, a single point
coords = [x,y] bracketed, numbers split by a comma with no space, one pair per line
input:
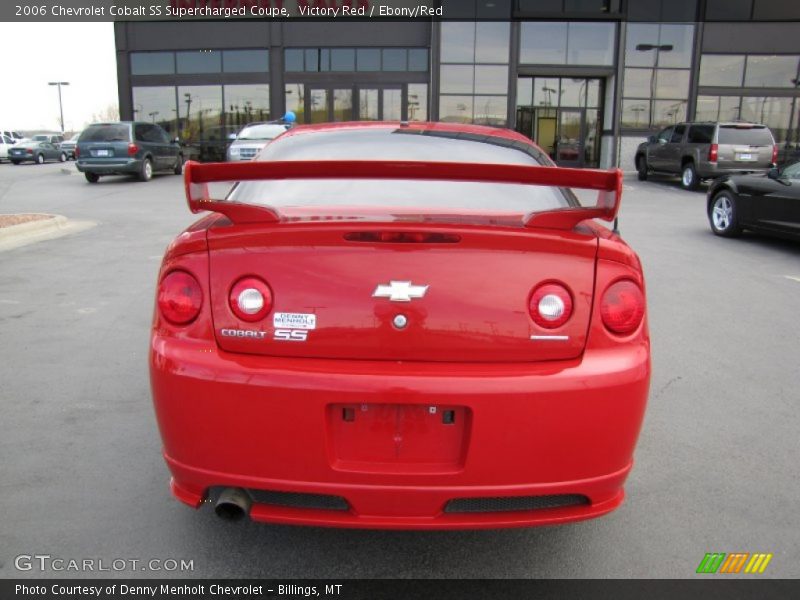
[586,79]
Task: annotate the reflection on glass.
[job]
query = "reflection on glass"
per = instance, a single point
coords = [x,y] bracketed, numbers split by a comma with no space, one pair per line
[722,70]
[573,92]
[591,139]
[319,106]
[417,101]
[524,91]
[638,83]
[491,110]
[635,113]
[157,105]
[543,43]
[152,63]
[418,59]
[200,118]
[593,93]
[342,105]
[458,42]
[245,104]
[669,112]
[681,38]
[343,59]
[368,105]
[293,60]
[707,108]
[568,144]
[545,91]
[295,100]
[392,108]
[591,44]
[672,83]
[491,80]
[199,61]
[312,59]
[492,42]
[639,34]
[455,109]
[775,113]
[770,71]
[457,79]
[395,59]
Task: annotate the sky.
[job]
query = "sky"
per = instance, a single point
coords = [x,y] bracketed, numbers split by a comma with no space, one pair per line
[81,53]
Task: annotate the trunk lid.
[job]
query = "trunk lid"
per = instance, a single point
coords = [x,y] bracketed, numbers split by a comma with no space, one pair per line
[475,306]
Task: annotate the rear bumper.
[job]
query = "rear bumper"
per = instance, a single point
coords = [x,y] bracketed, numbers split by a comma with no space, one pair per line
[712,171]
[260,423]
[108,167]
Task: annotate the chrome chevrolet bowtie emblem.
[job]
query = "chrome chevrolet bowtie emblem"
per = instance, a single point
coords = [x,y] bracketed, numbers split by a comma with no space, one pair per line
[400,291]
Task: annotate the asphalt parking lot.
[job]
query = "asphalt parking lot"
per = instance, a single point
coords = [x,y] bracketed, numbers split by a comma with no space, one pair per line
[82,475]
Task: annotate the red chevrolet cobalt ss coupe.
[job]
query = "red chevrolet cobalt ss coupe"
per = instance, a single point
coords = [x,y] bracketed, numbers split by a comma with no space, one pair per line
[392,325]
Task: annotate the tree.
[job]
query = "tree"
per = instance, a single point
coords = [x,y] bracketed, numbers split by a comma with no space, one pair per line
[108,114]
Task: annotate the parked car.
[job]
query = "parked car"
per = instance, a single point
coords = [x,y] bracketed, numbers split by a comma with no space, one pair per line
[11,134]
[51,138]
[5,143]
[35,151]
[400,326]
[764,203]
[698,151]
[127,147]
[68,146]
[252,138]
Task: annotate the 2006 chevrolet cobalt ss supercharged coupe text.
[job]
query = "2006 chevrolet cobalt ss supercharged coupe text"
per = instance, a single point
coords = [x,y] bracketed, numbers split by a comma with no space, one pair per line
[400,326]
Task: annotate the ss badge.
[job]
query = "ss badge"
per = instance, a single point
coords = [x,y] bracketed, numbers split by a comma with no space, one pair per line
[291,335]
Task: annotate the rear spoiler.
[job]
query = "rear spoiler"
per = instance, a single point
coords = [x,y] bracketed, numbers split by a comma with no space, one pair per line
[197,176]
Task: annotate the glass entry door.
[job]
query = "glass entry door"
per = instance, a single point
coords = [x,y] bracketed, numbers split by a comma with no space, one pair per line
[379,104]
[569,143]
[326,105]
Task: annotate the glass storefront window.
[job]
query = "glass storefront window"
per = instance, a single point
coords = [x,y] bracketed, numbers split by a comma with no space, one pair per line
[368,104]
[491,110]
[591,44]
[775,113]
[319,105]
[593,93]
[311,56]
[457,79]
[417,101]
[455,109]
[458,42]
[635,113]
[343,59]
[294,94]
[200,118]
[492,42]
[245,104]
[157,105]
[722,69]
[546,91]
[707,108]
[418,59]
[199,61]
[392,105]
[668,112]
[524,91]
[491,79]
[368,59]
[245,61]
[152,63]
[543,43]
[681,38]
[293,60]
[342,105]
[672,83]
[639,34]
[638,83]
[395,59]
[770,71]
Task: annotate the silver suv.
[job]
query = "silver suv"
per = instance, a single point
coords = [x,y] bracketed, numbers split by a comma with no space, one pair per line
[698,151]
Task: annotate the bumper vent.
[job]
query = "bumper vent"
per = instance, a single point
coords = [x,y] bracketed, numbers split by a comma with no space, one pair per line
[512,503]
[298,500]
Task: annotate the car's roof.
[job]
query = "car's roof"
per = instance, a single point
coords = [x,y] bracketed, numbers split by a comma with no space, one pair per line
[413,126]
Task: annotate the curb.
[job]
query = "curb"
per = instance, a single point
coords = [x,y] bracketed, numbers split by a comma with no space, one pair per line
[43,229]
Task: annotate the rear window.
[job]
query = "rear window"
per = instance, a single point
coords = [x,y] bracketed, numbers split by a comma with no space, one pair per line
[753,136]
[367,199]
[701,134]
[106,133]
[261,132]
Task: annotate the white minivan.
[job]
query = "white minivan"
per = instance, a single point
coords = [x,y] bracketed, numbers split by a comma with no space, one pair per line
[5,143]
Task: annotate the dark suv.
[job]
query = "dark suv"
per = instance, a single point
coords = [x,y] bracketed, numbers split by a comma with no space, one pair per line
[127,147]
[698,151]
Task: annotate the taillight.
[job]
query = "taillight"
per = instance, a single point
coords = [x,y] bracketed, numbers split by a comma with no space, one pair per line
[132,149]
[76,152]
[29,151]
[713,153]
[550,305]
[622,307]
[775,154]
[250,299]
[180,297]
